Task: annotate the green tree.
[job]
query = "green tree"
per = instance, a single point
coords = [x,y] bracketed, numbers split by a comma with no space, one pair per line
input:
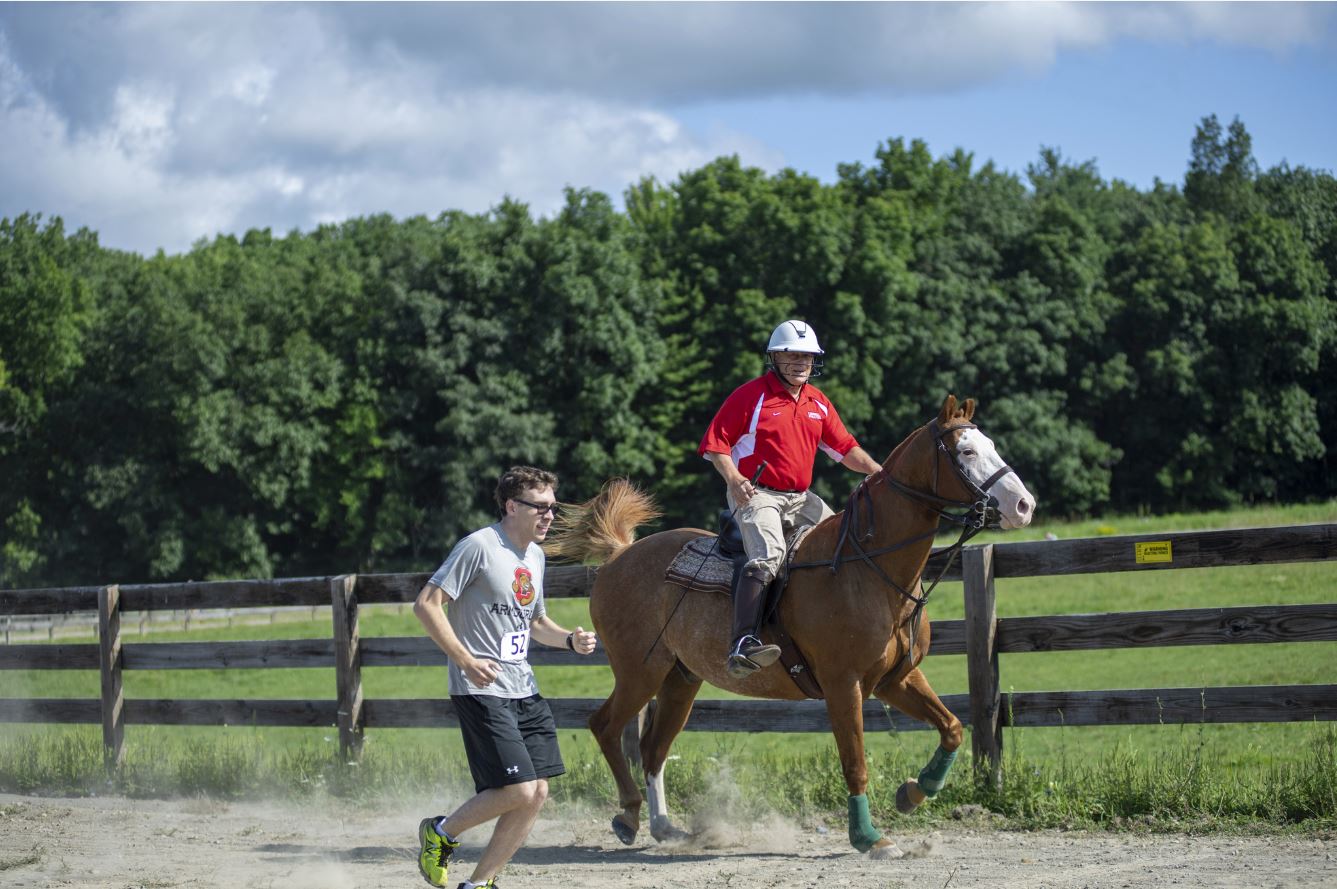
[1222,171]
[1271,350]
[44,317]
[345,399]
[594,349]
[1167,421]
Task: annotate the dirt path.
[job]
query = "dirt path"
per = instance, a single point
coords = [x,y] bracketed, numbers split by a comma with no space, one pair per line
[116,843]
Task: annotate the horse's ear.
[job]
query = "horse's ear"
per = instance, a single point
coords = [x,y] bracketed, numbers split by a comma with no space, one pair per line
[968,409]
[948,409]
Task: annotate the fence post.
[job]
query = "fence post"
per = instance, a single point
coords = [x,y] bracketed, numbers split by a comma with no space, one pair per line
[986,724]
[347,663]
[109,665]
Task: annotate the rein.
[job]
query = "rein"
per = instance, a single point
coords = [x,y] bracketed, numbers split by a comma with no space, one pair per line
[980,512]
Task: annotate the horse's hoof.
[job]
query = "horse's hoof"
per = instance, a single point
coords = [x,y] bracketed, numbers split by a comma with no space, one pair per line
[909,797]
[625,832]
[665,831]
[885,850]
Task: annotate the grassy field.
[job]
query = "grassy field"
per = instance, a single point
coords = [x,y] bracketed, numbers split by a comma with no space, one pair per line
[1253,774]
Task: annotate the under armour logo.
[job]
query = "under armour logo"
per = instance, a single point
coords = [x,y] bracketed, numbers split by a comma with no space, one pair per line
[512,770]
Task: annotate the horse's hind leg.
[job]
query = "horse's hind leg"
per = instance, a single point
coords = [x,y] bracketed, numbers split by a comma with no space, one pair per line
[913,697]
[673,705]
[607,722]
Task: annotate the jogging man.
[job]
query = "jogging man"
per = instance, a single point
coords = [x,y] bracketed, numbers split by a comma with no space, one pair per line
[493,583]
[779,419]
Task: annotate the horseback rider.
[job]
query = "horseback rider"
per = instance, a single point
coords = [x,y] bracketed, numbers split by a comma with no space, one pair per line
[778,419]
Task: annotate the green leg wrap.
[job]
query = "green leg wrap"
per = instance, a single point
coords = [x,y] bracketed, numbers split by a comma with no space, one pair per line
[862,833]
[934,775]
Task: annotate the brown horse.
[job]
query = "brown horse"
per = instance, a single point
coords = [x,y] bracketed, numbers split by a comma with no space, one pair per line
[862,628]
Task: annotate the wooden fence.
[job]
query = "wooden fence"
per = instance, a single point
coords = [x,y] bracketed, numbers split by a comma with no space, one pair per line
[981,636]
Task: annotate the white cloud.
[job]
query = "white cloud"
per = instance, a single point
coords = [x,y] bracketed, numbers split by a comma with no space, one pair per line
[1276,27]
[158,124]
[677,53]
[365,145]
[249,84]
[141,122]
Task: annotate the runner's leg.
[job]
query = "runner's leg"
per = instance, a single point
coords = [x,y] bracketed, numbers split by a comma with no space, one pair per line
[512,828]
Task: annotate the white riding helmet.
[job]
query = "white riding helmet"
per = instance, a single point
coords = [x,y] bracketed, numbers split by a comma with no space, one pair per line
[794,336]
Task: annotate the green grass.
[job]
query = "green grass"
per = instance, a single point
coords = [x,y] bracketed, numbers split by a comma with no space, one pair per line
[1184,788]
[1160,776]
[1253,517]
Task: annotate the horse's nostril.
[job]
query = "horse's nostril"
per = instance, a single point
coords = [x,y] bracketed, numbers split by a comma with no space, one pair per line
[1023,506]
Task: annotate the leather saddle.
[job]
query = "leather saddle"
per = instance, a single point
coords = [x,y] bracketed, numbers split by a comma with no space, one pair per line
[714,565]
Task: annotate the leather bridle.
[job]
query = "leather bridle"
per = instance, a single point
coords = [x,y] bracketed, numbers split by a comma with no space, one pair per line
[979,512]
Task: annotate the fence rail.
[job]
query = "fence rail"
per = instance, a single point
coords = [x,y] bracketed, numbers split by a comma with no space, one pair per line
[981,636]
[1147,706]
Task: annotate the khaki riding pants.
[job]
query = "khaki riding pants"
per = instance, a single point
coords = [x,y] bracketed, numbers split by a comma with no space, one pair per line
[769,518]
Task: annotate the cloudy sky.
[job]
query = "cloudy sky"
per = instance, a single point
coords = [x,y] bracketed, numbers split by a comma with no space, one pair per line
[159,124]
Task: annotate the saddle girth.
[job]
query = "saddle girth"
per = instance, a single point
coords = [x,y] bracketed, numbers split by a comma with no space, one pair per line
[795,664]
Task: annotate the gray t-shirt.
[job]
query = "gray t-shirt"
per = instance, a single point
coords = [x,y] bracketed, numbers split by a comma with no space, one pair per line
[496,590]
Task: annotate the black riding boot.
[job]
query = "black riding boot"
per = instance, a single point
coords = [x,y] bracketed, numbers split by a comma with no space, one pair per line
[748,654]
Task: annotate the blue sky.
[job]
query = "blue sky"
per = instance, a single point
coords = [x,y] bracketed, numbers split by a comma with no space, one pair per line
[159,124]
[1131,107]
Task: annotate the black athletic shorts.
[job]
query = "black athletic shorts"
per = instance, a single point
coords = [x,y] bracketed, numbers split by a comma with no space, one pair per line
[508,740]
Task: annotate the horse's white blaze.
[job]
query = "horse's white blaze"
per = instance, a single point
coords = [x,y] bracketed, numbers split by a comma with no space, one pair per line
[654,796]
[980,459]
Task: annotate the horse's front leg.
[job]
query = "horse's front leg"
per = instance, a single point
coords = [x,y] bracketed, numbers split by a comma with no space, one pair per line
[844,708]
[913,697]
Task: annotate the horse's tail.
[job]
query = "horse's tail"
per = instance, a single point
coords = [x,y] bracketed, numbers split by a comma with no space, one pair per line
[595,531]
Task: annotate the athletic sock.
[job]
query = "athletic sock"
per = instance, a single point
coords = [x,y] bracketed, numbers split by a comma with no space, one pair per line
[440,828]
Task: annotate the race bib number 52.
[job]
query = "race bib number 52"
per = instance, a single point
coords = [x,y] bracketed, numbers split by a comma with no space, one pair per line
[515,646]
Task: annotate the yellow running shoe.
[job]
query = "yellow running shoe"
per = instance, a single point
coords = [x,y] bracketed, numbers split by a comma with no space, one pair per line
[434,855]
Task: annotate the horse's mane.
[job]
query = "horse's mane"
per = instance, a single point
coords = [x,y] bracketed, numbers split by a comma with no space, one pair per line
[897,451]
[596,530]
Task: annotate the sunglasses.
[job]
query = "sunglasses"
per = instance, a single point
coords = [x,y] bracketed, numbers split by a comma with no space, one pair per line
[540,508]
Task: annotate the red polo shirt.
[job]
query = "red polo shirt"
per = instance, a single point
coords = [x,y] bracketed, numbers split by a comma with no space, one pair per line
[761,421]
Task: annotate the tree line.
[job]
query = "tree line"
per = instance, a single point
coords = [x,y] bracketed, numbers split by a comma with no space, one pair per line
[344,399]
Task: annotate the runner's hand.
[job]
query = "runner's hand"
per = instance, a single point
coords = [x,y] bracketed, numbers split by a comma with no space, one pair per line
[583,641]
[482,672]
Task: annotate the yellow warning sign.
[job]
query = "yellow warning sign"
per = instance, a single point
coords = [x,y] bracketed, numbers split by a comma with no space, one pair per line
[1152,551]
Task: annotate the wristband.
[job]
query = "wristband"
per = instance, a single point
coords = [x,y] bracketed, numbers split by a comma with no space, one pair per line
[571,641]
